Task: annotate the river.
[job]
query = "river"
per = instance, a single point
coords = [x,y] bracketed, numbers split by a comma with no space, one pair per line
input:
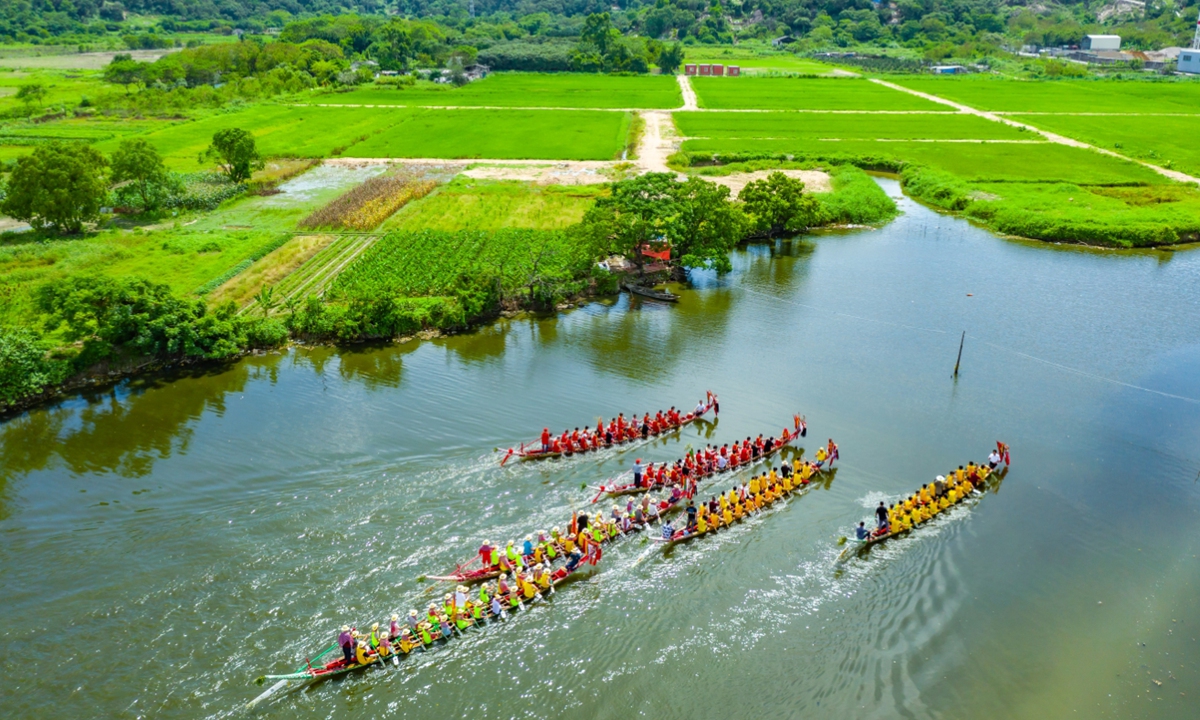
[166,541]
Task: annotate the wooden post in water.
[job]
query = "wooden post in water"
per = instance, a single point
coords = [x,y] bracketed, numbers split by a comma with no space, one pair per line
[960,347]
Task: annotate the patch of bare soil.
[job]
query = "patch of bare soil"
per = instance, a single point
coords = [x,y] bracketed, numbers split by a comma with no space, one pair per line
[814,180]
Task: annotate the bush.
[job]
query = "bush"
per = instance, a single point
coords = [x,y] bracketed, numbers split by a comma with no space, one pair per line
[59,186]
[25,368]
[856,199]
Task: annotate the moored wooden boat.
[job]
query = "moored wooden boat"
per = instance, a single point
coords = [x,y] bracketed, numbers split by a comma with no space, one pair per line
[646,292]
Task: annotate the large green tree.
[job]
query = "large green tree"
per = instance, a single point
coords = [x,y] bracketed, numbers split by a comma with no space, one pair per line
[695,218]
[777,204]
[143,178]
[59,186]
[236,153]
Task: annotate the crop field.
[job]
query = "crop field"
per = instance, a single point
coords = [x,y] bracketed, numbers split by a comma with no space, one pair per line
[500,134]
[432,262]
[276,266]
[783,93]
[785,125]
[1162,140]
[369,204]
[565,90]
[184,255]
[279,130]
[466,203]
[997,162]
[1063,96]
[315,275]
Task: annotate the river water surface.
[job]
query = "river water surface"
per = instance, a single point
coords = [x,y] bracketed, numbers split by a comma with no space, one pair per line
[165,542]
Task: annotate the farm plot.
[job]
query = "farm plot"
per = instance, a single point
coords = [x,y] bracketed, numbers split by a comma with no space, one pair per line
[1162,140]
[466,203]
[501,134]
[1063,96]
[314,276]
[983,162]
[369,204]
[784,93]
[536,90]
[784,125]
[435,263]
[279,130]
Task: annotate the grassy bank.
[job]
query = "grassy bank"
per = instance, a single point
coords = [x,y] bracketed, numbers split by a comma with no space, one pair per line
[1128,216]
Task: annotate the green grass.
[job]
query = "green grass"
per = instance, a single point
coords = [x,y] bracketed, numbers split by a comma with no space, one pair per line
[466,203]
[984,162]
[784,125]
[566,90]
[501,134]
[781,93]
[1162,140]
[82,129]
[184,252]
[280,130]
[1120,96]
[63,89]
[1066,212]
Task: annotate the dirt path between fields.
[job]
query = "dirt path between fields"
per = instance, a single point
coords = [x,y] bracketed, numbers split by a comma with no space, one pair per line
[659,140]
[1052,137]
[689,95]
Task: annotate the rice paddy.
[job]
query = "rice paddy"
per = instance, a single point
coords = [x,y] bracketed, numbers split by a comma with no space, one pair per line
[1063,96]
[1162,140]
[784,93]
[532,90]
[784,125]
[500,134]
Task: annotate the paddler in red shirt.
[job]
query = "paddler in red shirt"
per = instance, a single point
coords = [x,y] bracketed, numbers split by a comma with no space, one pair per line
[545,439]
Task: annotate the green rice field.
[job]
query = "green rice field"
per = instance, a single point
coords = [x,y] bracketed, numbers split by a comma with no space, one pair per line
[1162,140]
[1063,96]
[566,90]
[785,125]
[280,130]
[467,203]
[982,162]
[783,93]
[500,134]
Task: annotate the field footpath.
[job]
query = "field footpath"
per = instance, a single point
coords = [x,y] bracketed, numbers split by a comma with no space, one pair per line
[1052,137]
[689,95]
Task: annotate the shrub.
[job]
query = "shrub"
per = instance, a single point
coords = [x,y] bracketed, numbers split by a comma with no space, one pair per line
[25,368]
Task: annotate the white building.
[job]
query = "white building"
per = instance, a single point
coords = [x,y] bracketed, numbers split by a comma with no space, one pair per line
[1101,42]
[1189,61]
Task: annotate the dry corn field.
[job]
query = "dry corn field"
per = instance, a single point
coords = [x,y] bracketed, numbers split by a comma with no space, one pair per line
[369,204]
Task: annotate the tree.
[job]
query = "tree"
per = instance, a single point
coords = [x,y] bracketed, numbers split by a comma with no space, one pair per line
[236,154]
[137,164]
[777,204]
[32,94]
[58,185]
[111,314]
[670,59]
[695,218]
[124,70]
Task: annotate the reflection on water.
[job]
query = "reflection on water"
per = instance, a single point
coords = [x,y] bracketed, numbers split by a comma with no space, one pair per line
[124,429]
